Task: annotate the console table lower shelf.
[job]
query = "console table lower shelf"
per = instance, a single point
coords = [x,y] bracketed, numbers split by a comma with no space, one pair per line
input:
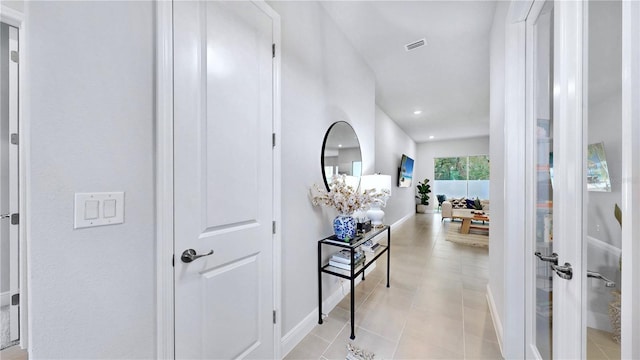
[354,272]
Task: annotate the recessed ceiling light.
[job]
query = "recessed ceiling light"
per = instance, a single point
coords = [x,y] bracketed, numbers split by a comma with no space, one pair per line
[339,145]
[431,137]
[417,112]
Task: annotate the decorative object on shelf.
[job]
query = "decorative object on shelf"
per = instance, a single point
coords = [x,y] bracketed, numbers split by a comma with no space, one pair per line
[344,226]
[342,259]
[364,226]
[424,189]
[346,200]
[355,353]
[380,186]
[369,246]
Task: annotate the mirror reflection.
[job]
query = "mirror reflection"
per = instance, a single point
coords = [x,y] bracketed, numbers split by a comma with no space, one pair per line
[341,154]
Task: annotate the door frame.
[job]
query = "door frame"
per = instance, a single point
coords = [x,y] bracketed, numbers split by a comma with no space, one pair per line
[569,212]
[631,178]
[165,185]
[17,19]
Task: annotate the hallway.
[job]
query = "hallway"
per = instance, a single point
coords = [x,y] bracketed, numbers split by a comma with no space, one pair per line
[436,307]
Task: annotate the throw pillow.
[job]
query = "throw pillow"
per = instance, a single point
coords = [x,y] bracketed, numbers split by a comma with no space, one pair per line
[459,203]
[471,204]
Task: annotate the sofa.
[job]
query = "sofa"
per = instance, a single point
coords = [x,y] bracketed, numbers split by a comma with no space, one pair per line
[461,206]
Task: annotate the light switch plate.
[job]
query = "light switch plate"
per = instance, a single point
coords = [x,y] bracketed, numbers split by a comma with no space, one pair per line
[98,209]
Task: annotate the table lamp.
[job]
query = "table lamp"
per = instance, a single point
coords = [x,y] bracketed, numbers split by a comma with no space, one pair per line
[378,183]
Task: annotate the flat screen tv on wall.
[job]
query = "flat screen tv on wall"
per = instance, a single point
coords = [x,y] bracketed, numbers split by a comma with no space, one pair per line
[406,171]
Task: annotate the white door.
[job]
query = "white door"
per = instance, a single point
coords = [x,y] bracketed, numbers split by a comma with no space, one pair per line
[9,229]
[224,179]
[557,186]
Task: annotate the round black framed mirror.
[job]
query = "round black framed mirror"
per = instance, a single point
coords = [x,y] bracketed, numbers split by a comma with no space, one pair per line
[341,154]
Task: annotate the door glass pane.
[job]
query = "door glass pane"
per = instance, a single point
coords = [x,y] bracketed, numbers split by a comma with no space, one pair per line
[543,115]
[603,88]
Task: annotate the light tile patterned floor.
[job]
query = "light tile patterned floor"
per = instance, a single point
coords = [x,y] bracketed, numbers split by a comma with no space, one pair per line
[600,345]
[436,307]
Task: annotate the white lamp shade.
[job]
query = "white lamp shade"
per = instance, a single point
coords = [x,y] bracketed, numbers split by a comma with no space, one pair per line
[377,182]
[351,181]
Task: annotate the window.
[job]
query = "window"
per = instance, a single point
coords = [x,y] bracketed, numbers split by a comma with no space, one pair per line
[466,176]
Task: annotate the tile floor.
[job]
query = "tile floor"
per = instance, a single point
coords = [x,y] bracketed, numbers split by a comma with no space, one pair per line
[436,307]
[13,353]
[600,345]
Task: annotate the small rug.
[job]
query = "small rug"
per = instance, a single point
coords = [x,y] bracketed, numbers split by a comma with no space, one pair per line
[479,239]
[355,353]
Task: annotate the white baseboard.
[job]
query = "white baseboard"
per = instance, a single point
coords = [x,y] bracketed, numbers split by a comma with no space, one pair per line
[405,218]
[497,323]
[304,327]
[5,298]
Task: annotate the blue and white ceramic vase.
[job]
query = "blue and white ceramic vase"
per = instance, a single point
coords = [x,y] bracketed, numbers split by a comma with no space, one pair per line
[344,227]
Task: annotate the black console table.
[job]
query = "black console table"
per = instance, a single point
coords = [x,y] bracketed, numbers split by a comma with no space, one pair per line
[354,272]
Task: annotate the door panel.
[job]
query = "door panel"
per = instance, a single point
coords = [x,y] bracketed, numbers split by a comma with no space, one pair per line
[223,86]
[557,189]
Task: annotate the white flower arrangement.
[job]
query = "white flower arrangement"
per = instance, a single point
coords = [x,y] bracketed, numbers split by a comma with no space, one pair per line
[345,198]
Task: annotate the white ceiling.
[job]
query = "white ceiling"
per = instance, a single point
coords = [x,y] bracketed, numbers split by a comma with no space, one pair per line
[448,79]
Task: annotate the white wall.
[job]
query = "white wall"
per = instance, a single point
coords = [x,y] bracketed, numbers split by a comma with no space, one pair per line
[427,151]
[391,143]
[91,107]
[17,5]
[323,80]
[496,286]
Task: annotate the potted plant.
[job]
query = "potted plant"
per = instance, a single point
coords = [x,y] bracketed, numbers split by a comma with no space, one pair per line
[424,189]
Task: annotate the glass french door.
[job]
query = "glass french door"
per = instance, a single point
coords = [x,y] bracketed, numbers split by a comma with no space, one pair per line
[556,189]
[603,120]
[540,36]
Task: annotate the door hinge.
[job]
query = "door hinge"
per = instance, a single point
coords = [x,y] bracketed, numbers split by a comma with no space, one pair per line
[173,261]
[15,299]
[274,316]
[14,139]
[15,219]
[273,227]
[273,139]
[14,57]
[273,50]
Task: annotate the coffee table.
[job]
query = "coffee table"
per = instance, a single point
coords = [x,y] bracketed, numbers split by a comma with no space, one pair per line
[467,225]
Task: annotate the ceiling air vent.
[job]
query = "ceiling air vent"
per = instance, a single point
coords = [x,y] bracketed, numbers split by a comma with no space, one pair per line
[415,44]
